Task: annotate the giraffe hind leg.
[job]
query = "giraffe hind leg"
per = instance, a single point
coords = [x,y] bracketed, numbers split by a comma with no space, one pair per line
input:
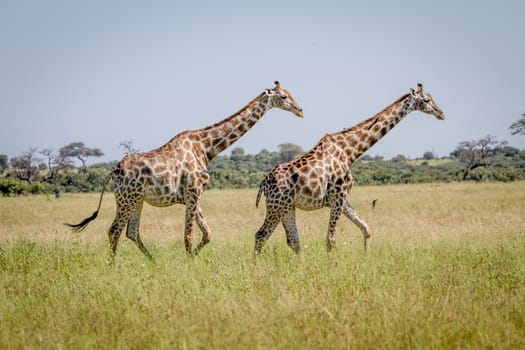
[363,226]
[270,223]
[119,222]
[290,227]
[132,231]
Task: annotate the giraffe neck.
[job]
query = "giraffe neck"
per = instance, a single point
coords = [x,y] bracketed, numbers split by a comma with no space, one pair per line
[359,138]
[208,142]
[219,136]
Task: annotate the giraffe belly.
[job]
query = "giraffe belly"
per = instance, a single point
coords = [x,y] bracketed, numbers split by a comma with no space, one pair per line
[163,196]
[309,203]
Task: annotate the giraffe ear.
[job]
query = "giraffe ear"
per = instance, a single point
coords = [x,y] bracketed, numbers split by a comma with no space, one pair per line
[412,92]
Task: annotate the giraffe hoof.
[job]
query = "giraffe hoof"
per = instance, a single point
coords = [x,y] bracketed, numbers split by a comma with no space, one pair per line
[191,253]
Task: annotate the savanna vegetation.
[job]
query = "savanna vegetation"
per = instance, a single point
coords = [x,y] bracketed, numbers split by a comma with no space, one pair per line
[445,269]
[43,171]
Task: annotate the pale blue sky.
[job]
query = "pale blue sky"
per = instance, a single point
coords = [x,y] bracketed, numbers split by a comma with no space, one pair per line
[105,71]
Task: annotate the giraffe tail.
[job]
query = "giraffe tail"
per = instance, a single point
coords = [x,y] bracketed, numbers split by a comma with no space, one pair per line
[83,224]
[262,188]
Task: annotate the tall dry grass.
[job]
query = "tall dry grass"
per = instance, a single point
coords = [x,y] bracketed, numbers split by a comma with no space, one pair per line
[446,268]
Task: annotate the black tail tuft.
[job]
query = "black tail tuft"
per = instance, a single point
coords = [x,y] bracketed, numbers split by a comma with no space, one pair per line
[81,226]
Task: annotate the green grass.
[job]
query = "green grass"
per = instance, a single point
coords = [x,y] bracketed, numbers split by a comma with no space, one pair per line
[445,269]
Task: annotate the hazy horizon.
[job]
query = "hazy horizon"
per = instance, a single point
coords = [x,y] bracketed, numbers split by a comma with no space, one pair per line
[104,72]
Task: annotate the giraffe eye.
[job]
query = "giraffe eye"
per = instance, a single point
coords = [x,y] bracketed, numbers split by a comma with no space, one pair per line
[284,97]
[426,100]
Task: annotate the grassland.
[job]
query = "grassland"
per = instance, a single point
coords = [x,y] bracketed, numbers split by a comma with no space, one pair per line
[445,269]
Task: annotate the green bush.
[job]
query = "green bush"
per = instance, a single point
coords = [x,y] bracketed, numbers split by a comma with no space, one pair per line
[13,187]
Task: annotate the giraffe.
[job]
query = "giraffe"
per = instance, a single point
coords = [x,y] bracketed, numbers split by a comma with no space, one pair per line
[177,172]
[322,177]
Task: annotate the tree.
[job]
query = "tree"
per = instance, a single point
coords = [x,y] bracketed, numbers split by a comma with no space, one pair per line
[26,165]
[80,151]
[476,153]
[237,154]
[55,163]
[4,162]
[518,127]
[428,155]
[399,158]
[289,151]
[127,146]
[366,158]
[266,160]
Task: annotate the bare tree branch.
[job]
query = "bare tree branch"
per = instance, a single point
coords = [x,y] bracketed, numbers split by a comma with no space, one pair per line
[127,146]
[518,127]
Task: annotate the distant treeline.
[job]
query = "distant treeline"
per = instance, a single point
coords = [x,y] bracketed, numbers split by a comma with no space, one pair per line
[480,160]
[500,164]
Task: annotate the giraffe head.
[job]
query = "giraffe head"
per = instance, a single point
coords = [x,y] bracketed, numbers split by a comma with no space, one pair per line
[281,98]
[422,101]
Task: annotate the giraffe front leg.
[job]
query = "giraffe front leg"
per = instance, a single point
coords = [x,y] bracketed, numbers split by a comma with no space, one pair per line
[335,213]
[363,226]
[206,233]
[191,211]
[197,184]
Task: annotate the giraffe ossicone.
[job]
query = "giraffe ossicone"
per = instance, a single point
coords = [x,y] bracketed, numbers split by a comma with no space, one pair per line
[177,172]
[322,177]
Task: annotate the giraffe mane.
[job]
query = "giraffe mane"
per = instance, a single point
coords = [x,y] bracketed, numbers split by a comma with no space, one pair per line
[240,111]
[372,120]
